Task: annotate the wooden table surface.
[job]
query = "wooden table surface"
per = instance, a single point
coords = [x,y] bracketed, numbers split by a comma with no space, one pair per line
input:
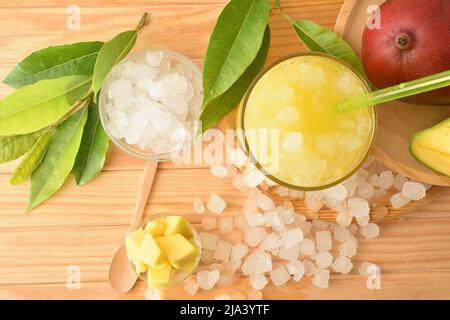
[83,226]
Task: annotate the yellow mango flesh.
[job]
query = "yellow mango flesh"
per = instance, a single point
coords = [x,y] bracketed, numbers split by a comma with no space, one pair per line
[432,147]
[156,228]
[180,252]
[133,243]
[159,278]
[175,225]
[151,254]
[141,267]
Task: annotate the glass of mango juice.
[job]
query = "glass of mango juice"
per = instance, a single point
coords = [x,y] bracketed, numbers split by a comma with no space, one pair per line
[292,130]
[164,250]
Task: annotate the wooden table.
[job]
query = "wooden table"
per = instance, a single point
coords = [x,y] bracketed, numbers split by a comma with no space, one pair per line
[83,226]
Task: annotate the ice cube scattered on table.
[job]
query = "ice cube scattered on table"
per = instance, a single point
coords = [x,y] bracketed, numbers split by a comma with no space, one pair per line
[289,254]
[257,263]
[272,219]
[324,259]
[270,242]
[386,180]
[349,247]
[238,251]
[216,204]
[254,236]
[362,221]
[307,247]
[370,231]
[287,216]
[159,100]
[341,234]
[398,200]
[207,256]
[342,264]
[199,207]
[258,281]
[208,240]
[296,269]
[414,190]
[226,225]
[219,171]
[240,223]
[209,223]
[358,207]
[265,203]
[190,286]
[254,178]
[291,238]
[310,267]
[279,276]
[255,219]
[344,219]
[321,278]
[223,250]
[207,279]
[323,240]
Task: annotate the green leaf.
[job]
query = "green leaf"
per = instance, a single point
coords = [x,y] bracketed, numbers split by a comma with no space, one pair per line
[32,159]
[234,45]
[318,38]
[59,159]
[219,107]
[94,145]
[12,147]
[110,54]
[39,105]
[55,62]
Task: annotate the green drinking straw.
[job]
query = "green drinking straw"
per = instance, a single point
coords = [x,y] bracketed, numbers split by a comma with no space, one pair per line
[429,83]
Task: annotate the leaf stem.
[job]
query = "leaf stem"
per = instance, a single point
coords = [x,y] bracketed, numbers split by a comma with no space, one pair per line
[142,22]
[80,104]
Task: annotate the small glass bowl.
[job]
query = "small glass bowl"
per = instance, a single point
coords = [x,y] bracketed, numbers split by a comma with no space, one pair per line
[134,150]
[177,276]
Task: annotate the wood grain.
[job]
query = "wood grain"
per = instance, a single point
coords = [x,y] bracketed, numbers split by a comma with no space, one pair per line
[83,226]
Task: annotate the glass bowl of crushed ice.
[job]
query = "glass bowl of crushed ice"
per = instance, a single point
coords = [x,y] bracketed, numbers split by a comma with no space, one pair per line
[150,104]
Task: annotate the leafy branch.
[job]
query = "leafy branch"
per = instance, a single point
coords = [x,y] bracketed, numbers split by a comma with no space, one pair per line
[53,119]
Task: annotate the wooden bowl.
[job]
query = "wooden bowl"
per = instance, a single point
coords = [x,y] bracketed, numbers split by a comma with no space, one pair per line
[397,121]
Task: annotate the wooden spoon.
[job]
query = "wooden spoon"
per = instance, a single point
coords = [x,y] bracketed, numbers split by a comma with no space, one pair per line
[120,273]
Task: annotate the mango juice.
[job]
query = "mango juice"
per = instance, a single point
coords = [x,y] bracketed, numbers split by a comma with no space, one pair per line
[291,126]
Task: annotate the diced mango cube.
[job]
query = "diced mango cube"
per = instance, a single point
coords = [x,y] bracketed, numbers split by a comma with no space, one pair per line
[151,254]
[159,278]
[180,252]
[133,242]
[176,224]
[141,267]
[156,228]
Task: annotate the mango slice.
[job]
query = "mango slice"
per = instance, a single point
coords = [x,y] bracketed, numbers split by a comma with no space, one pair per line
[151,254]
[432,147]
[133,242]
[159,278]
[141,267]
[176,224]
[180,252]
[156,227]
